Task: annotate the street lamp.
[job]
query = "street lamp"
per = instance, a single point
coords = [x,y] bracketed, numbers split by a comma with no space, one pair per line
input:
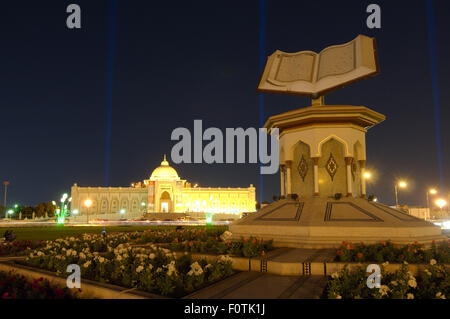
[367,175]
[6,183]
[441,203]
[401,184]
[122,212]
[431,191]
[88,204]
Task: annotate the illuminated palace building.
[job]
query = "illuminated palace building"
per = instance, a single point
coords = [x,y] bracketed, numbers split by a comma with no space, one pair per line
[163,192]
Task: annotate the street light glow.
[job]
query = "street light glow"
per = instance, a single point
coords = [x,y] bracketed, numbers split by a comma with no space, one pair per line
[75,211]
[10,212]
[441,202]
[433,191]
[122,211]
[367,175]
[88,203]
[402,184]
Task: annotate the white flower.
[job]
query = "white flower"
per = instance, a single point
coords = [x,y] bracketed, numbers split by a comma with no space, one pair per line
[334,275]
[87,264]
[440,295]
[196,269]
[384,290]
[427,272]
[410,296]
[405,262]
[139,269]
[394,283]
[226,236]
[412,283]
[152,256]
[433,262]
[385,263]
[225,259]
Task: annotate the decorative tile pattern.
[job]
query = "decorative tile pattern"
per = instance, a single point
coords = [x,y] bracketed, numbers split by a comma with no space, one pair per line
[297,205]
[329,209]
[331,166]
[302,168]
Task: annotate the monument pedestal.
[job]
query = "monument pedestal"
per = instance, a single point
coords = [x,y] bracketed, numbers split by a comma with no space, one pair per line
[322,160]
[326,223]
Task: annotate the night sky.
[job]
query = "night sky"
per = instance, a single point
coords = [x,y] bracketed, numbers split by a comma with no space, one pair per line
[179,61]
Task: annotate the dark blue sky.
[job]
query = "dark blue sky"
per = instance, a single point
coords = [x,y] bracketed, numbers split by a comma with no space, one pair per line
[180,61]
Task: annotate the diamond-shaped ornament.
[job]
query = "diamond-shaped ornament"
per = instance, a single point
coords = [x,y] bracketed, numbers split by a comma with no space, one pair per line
[302,168]
[331,166]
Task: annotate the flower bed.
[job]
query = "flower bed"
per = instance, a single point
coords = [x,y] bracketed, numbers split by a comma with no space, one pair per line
[387,251]
[13,286]
[431,283]
[206,241]
[152,269]
[18,247]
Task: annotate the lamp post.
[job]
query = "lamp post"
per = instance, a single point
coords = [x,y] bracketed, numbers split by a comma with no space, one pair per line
[401,184]
[6,183]
[431,191]
[88,204]
[366,176]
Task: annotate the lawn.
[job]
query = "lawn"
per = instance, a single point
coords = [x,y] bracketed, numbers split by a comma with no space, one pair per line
[54,232]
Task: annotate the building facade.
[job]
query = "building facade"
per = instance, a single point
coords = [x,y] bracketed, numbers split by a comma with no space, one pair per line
[163,192]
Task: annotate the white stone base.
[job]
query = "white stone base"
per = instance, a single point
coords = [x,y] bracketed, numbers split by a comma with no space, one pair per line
[326,222]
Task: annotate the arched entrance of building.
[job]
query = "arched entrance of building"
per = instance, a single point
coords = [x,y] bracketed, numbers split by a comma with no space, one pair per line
[165,202]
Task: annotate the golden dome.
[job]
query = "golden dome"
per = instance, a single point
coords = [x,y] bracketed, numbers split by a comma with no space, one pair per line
[164,172]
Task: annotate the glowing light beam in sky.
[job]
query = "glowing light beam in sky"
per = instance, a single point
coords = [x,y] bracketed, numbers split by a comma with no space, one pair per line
[112,31]
[435,83]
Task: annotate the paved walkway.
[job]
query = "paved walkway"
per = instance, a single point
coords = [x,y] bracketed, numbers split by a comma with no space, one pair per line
[262,285]
[257,285]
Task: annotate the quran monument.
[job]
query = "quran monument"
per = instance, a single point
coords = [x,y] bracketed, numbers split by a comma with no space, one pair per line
[322,152]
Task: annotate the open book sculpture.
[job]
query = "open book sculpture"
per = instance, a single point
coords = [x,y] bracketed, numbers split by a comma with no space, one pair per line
[315,74]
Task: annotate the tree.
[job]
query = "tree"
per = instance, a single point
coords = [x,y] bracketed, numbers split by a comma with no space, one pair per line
[40,209]
[50,209]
